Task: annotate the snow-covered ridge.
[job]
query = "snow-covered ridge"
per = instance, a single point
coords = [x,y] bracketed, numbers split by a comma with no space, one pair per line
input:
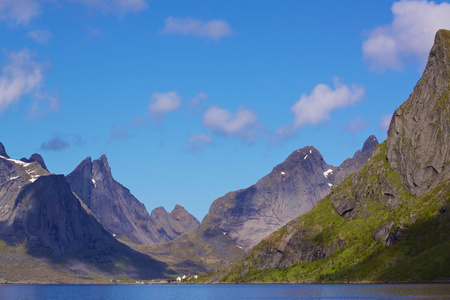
[16,161]
[31,172]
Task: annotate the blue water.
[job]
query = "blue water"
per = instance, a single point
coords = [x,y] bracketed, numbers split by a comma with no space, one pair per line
[199,292]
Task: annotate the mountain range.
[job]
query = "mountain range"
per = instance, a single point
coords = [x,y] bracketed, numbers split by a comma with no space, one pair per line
[382,215]
[390,220]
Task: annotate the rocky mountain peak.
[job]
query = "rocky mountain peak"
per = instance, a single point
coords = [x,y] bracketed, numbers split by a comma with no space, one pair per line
[118,210]
[369,145]
[36,158]
[3,151]
[418,145]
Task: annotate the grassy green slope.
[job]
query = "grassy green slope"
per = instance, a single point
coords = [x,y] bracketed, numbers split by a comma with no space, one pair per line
[419,247]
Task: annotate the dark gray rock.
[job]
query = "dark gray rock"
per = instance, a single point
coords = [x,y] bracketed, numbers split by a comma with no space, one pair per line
[118,210]
[171,225]
[3,151]
[419,133]
[290,190]
[351,165]
[39,212]
[36,158]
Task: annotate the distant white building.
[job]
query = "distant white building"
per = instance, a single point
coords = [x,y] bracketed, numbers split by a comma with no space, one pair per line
[178,279]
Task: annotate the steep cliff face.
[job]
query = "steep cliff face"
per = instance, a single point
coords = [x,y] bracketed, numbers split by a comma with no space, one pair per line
[290,190]
[118,210]
[419,133]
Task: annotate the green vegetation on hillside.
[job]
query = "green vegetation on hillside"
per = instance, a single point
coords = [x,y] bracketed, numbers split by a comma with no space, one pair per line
[416,246]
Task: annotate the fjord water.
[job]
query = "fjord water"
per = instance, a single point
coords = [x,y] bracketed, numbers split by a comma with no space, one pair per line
[199,292]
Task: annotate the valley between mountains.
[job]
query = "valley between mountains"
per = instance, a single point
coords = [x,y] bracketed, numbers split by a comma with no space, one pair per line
[382,215]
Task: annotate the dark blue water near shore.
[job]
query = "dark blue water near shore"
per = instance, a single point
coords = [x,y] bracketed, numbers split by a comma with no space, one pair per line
[199,292]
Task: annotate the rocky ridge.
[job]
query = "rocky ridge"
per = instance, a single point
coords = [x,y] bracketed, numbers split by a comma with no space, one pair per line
[290,190]
[119,211]
[40,213]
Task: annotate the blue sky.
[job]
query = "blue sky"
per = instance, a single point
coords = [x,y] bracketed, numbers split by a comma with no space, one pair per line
[192,99]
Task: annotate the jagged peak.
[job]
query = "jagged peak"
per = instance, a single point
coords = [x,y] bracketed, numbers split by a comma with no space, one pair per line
[36,157]
[3,151]
[370,144]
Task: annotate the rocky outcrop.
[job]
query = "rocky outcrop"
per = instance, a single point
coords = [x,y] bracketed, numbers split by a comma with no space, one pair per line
[119,211]
[3,151]
[419,133]
[351,165]
[173,224]
[36,158]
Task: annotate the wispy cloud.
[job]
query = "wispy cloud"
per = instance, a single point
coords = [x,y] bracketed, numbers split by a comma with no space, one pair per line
[125,131]
[40,36]
[221,121]
[385,121]
[410,36]
[163,103]
[317,107]
[199,142]
[118,7]
[18,11]
[59,142]
[356,125]
[212,29]
[199,98]
[22,76]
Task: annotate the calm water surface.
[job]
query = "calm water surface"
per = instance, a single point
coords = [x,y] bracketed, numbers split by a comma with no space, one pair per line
[199,292]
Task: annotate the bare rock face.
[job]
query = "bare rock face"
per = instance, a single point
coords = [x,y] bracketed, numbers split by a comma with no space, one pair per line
[419,133]
[39,212]
[36,158]
[118,210]
[290,190]
[171,225]
[3,151]
[351,165]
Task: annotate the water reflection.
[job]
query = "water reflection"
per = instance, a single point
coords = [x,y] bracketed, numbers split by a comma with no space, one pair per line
[307,291]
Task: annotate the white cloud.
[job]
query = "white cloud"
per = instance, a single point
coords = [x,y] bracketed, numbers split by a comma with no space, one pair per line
[41,36]
[213,29]
[22,76]
[163,103]
[198,142]
[222,121]
[385,121]
[118,7]
[410,36]
[317,107]
[356,125]
[18,11]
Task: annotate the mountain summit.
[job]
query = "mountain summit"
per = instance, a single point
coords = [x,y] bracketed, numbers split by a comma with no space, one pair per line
[291,189]
[119,211]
